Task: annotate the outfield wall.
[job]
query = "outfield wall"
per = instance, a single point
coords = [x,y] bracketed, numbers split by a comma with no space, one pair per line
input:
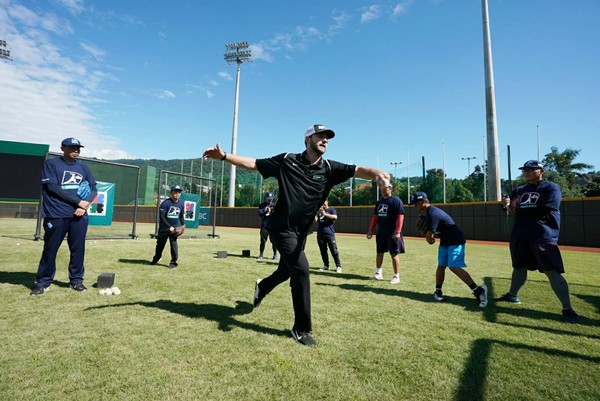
[480,221]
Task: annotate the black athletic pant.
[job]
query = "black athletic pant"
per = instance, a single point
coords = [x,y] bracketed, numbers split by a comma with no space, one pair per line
[264,236]
[324,243]
[161,241]
[293,265]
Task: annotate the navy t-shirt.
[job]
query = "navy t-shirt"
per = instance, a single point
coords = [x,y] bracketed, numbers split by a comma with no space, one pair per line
[68,176]
[442,224]
[325,227]
[172,212]
[537,211]
[302,187]
[387,211]
[264,211]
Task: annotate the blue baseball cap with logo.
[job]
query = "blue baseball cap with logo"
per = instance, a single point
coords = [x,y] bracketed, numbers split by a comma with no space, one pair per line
[532,164]
[176,188]
[71,142]
[270,195]
[417,196]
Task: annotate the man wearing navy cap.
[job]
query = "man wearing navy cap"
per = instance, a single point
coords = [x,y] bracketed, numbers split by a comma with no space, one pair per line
[170,224]
[264,211]
[534,237]
[451,252]
[68,189]
[305,180]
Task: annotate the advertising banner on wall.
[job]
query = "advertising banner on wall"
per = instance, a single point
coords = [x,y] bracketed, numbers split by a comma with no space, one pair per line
[191,203]
[101,210]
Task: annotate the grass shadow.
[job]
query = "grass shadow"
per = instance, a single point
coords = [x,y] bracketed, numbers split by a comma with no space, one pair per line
[26,279]
[474,375]
[136,262]
[590,299]
[222,314]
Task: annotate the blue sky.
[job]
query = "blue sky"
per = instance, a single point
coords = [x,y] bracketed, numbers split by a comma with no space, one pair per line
[396,80]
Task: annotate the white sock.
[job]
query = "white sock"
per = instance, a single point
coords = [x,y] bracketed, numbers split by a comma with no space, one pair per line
[397,275]
[379,270]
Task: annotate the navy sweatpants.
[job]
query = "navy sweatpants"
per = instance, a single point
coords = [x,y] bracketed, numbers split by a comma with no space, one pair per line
[54,232]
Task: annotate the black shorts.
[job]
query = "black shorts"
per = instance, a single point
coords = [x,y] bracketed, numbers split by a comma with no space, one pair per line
[539,255]
[386,243]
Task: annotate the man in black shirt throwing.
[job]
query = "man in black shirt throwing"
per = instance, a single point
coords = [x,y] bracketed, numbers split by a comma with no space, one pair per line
[305,180]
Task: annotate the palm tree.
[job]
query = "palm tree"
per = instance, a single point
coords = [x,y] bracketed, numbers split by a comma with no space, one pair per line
[562,165]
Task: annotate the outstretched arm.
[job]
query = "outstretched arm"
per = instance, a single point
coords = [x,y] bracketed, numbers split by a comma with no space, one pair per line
[217,153]
[369,173]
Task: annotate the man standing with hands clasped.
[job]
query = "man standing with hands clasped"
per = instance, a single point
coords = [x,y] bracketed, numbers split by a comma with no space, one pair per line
[305,180]
[171,224]
[534,237]
[326,236]
[264,211]
[68,188]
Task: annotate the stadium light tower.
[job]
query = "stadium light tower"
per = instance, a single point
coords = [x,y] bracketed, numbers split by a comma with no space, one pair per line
[468,159]
[236,53]
[395,164]
[4,52]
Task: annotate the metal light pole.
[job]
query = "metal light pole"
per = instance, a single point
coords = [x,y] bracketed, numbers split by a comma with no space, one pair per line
[236,53]
[395,164]
[408,176]
[490,109]
[468,159]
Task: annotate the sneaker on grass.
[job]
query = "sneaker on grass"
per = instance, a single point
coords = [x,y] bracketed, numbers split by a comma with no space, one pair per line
[377,276]
[257,296]
[569,316]
[39,291]
[325,268]
[79,287]
[438,296]
[304,338]
[481,295]
[395,280]
[338,269]
[509,298]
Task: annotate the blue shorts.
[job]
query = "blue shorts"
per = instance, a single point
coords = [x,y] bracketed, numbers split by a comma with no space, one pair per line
[386,243]
[539,255]
[452,256]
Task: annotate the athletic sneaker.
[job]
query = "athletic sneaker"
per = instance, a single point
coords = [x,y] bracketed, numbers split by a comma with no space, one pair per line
[338,269]
[325,268]
[569,316]
[509,298]
[79,287]
[257,297]
[481,295]
[377,276]
[155,260]
[395,280]
[260,257]
[437,295]
[304,338]
[172,265]
[39,291]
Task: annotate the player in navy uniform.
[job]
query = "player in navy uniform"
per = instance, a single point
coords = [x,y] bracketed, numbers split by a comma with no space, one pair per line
[305,180]
[451,252]
[389,218]
[534,237]
[68,189]
[171,216]
[264,211]
[326,217]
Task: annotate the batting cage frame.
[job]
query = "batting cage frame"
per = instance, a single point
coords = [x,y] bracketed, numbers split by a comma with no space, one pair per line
[164,183]
[90,163]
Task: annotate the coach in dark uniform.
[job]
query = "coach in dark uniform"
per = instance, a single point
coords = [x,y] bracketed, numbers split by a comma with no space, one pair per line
[264,211]
[68,188]
[305,180]
[534,237]
[171,216]
[326,236]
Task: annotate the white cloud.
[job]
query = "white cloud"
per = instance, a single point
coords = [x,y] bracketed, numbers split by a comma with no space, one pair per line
[208,93]
[225,75]
[46,95]
[371,13]
[74,6]
[97,53]
[166,94]
[401,8]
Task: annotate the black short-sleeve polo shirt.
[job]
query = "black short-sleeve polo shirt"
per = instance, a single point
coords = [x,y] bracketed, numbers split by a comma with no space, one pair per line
[302,187]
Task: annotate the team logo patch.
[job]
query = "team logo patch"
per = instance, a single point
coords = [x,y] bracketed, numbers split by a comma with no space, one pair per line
[71,180]
[318,177]
[382,210]
[529,199]
[173,212]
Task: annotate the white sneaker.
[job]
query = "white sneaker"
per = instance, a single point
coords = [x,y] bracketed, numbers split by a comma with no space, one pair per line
[483,300]
[395,280]
[377,276]
[338,269]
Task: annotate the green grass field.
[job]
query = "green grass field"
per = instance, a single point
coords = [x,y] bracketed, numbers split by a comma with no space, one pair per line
[190,333]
